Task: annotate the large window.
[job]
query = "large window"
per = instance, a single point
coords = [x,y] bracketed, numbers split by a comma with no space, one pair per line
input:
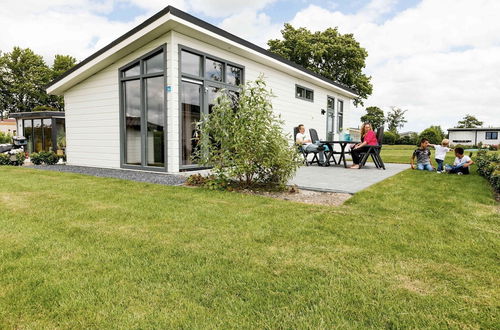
[491,135]
[143,112]
[42,135]
[203,78]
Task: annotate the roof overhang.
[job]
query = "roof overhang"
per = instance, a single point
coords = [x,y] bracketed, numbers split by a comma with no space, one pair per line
[37,114]
[172,19]
[474,129]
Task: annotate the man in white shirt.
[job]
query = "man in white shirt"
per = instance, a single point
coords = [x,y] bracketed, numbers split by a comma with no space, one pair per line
[305,140]
[461,164]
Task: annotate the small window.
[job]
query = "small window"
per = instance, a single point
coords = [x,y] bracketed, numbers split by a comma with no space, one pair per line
[213,70]
[154,64]
[135,70]
[190,63]
[233,75]
[491,135]
[304,93]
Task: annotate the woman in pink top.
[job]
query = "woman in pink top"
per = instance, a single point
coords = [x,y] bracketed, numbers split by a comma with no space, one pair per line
[368,138]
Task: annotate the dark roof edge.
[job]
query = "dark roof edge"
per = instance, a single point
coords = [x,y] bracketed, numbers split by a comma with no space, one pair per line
[37,114]
[475,129]
[192,19]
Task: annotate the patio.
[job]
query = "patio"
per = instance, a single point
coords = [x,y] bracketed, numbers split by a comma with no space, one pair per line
[343,180]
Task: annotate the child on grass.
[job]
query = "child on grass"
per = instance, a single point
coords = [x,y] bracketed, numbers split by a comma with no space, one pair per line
[461,164]
[441,151]
[423,155]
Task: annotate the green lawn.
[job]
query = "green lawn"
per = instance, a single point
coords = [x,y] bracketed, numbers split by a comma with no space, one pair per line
[402,154]
[417,250]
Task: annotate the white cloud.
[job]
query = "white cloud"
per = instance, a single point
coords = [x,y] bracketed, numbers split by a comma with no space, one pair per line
[224,8]
[253,26]
[440,59]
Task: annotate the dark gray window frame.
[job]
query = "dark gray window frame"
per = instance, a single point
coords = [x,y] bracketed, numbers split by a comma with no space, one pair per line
[305,93]
[491,136]
[333,109]
[142,77]
[340,114]
[205,83]
[53,131]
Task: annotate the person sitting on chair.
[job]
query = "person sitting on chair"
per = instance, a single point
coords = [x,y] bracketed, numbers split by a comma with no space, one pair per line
[368,138]
[305,141]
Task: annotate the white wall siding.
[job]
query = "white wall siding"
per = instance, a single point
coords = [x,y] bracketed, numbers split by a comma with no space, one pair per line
[292,110]
[93,115]
[92,106]
[474,136]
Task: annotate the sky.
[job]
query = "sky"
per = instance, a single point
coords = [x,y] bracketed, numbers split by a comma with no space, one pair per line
[438,59]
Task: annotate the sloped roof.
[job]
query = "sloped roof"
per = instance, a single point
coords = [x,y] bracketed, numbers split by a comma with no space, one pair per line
[176,13]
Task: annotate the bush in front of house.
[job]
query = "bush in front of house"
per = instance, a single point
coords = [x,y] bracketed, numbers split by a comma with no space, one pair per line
[13,158]
[488,165]
[44,157]
[242,139]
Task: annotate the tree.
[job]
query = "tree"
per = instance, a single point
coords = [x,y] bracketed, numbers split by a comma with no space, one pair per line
[62,63]
[243,139]
[469,121]
[331,54]
[374,116]
[23,78]
[395,119]
[434,134]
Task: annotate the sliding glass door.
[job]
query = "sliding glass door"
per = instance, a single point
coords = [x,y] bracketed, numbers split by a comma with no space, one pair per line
[143,111]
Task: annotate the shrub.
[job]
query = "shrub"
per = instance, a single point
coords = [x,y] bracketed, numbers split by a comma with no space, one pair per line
[44,157]
[390,137]
[5,137]
[39,108]
[488,165]
[4,159]
[14,158]
[434,134]
[408,139]
[243,140]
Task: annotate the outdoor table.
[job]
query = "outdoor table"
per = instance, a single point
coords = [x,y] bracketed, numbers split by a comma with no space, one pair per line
[342,152]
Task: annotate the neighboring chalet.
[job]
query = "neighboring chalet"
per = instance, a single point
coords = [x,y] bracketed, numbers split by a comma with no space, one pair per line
[473,136]
[134,103]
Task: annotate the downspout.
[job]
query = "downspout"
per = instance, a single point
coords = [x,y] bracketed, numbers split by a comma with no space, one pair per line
[475,139]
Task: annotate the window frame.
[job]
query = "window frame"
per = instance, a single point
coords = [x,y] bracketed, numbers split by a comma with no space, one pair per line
[205,84]
[297,86]
[340,115]
[491,135]
[142,82]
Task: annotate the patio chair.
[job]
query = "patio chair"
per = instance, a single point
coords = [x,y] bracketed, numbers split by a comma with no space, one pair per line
[328,154]
[374,151]
[305,153]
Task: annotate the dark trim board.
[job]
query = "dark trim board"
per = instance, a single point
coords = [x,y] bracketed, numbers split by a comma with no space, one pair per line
[205,25]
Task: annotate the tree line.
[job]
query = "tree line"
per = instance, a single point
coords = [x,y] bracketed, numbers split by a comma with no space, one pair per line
[24,75]
[395,120]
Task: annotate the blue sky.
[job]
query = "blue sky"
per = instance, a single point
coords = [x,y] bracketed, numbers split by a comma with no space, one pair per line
[440,59]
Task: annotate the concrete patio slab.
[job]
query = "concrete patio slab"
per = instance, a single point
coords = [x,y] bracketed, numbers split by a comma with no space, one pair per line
[343,180]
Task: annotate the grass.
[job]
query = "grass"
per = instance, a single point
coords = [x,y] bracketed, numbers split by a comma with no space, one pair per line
[416,250]
[402,154]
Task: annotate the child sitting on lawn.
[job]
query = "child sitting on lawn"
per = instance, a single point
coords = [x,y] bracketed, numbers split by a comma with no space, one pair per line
[461,164]
[441,151]
[423,155]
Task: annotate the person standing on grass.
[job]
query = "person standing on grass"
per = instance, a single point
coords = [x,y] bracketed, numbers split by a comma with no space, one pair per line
[440,155]
[368,138]
[305,141]
[461,164]
[423,156]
